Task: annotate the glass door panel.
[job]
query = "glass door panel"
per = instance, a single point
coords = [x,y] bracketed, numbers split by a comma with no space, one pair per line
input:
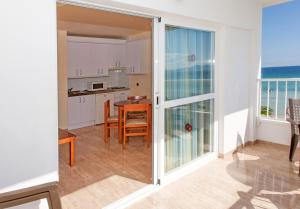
[188,133]
[189,74]
[189,63]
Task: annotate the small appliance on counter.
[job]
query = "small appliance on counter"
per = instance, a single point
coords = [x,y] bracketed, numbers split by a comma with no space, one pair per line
[96,86]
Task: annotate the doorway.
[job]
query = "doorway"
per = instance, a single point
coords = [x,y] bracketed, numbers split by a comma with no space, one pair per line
[182,90]
[113,52]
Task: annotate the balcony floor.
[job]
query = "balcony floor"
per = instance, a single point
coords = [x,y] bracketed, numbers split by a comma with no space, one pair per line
[258,176]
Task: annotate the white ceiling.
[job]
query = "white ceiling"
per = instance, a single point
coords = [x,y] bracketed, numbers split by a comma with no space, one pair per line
[93,22]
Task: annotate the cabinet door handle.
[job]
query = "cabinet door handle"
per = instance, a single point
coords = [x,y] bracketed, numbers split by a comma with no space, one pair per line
[83,99]
[79,99]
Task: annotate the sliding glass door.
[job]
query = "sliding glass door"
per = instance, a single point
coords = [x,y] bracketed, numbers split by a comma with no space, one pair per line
[188,96]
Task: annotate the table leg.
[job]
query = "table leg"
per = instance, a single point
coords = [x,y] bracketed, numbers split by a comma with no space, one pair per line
[120,125]
[72,152]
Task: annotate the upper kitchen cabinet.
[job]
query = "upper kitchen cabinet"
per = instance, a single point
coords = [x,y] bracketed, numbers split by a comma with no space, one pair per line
[93,57]
[118,55]
[100,59]
[136,57]
[79,60]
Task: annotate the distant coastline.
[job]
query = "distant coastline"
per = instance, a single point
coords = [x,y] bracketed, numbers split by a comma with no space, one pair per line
[281,72]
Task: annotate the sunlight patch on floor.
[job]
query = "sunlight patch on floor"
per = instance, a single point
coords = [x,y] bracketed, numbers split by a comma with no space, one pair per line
[100,193]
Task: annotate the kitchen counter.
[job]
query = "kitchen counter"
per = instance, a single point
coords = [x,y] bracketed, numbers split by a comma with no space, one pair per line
[82,93]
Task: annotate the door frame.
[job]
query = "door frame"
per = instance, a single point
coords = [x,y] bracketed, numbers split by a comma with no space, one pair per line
[193,165]
[158,64]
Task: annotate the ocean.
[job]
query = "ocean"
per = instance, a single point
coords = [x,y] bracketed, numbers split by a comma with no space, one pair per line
[291,88]
[281,72]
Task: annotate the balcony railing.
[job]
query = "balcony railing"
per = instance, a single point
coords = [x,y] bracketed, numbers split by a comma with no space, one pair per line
[274,95]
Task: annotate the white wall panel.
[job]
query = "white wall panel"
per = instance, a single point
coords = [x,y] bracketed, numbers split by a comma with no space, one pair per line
[28,113]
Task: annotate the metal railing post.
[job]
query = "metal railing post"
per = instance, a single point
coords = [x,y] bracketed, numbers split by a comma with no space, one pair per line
[279,103]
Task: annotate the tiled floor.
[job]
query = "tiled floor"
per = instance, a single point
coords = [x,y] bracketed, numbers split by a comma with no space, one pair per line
[257,177]
[103,173]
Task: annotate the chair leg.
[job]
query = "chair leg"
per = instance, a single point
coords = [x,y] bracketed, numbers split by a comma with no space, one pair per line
[294,143]
[124,138]
[108,132]
[147,140]
[124,142]
[105,133]
[147,137]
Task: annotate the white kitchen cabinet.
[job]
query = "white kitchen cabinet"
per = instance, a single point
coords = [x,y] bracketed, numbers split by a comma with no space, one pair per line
[118,55]
[88,109]
[92,57]
[100,59]
[136,57]
[100,99]
[79,64]
[81,111]
[74,106]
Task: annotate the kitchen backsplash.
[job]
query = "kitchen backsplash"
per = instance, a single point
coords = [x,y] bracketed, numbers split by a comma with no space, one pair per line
[113,80]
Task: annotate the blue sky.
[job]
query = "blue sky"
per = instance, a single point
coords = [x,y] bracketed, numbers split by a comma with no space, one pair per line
[281,35]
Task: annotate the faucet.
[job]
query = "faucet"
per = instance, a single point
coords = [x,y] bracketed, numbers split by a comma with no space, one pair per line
[70,90]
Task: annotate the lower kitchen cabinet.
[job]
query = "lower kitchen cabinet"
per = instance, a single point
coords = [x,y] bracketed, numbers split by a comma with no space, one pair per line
[81,111]
[89,109]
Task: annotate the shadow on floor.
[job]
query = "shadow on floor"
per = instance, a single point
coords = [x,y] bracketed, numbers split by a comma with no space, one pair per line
[273,179]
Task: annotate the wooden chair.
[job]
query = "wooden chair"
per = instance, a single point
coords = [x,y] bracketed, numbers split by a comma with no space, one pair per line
[136,127]
[136,97]
[293,116]
[17,198]
[109,121]
[136,115]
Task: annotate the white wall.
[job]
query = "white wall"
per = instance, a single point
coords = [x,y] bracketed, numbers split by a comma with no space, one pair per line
[239,13]
[28,113]
[274,131]
[28,151]
[236,66]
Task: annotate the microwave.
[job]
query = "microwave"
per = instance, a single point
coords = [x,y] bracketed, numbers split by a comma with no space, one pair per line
[96,86]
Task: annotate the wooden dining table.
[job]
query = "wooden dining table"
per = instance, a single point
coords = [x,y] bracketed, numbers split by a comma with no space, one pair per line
[120,106]
[65,137]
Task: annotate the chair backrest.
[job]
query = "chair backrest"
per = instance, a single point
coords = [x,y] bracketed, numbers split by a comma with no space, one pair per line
[294,114]
[136,97]
[294,109]
[106,110]
[136,108]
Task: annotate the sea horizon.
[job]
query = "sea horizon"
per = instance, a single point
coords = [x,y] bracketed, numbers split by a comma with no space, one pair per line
[281,72]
